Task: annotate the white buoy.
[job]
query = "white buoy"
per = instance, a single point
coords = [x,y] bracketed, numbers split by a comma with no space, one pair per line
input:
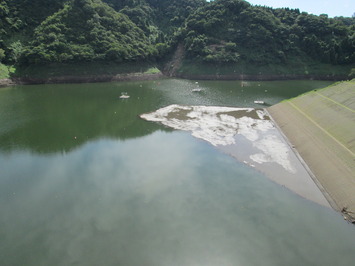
[124,95]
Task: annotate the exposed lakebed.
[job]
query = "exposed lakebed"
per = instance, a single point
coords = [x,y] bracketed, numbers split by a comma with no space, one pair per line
[247,134]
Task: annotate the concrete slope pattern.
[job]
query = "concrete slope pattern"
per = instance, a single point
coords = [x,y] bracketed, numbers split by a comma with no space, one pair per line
[321,127]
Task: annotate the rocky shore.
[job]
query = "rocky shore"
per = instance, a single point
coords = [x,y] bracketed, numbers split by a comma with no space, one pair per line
[6,82]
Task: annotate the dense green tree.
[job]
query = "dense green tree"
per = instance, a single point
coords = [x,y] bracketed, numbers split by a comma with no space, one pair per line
[30,13]
[2,54]
[263,35]
[236,22]
[88,30]
[171,14]
[137,10]
[16,49]
[220,31]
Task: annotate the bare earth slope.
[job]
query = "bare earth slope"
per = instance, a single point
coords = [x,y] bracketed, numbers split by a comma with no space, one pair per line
[321,127]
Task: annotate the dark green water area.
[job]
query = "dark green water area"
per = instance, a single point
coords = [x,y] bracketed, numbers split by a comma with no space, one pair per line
[85,181]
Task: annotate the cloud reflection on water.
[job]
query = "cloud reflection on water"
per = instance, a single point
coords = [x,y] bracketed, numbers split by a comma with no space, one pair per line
[165,199]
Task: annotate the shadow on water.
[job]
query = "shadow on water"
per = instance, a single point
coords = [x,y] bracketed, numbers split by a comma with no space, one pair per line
[53,118]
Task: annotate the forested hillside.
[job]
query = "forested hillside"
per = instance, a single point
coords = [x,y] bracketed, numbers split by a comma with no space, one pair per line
[228,32]
[272,35]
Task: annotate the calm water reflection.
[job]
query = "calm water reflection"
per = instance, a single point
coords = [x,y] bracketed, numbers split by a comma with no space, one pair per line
[84,181]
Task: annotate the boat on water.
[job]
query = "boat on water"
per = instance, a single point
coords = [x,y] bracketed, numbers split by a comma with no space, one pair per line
[197,90]
[259,102]
[124,95]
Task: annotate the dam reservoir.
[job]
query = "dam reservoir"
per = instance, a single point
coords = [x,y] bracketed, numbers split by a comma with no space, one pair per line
[85,181]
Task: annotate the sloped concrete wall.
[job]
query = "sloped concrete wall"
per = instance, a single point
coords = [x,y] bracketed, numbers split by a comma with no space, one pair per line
[321,127]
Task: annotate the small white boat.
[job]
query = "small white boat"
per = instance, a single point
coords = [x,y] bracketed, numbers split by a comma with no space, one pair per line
[259,102]
[197,90]
[124,95]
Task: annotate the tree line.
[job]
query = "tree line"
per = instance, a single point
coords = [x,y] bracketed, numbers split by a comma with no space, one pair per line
[221,31]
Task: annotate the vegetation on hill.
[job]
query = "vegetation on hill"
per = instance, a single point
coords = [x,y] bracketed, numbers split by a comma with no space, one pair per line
[218,33]
[87,30]
[261,35]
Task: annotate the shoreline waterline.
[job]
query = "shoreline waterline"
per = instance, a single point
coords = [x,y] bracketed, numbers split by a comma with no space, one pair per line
[156,76]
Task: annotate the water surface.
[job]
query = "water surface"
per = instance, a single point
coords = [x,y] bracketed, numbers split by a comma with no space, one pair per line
[85,181]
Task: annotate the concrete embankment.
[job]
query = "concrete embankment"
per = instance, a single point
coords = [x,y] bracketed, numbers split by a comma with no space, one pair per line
[320,125]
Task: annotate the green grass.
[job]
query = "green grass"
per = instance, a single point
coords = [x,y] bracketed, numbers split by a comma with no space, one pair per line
[152,70]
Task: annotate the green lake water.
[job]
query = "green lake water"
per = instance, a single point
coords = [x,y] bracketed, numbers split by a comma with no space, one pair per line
[85,181]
